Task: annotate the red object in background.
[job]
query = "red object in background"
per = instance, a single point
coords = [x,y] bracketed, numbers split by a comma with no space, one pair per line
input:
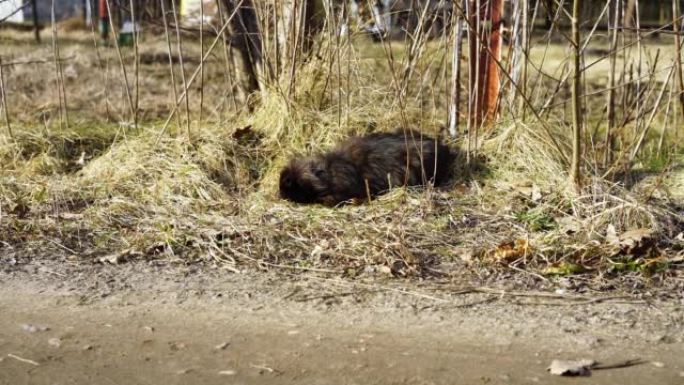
[102,6]
[485,51]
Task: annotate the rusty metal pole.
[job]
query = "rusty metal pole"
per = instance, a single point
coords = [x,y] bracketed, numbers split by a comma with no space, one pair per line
[493,57]
[485,51]
[104,22]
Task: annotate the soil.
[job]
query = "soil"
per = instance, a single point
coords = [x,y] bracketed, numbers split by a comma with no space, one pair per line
[141,323]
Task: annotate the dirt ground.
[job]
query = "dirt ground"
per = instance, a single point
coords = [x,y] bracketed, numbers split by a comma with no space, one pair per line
[138,323]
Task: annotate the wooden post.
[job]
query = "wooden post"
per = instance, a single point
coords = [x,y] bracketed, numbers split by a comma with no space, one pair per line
[36,26]
[485,52]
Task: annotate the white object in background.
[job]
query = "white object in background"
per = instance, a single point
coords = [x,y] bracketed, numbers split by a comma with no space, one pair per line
[129,27]
[9,9]
[344,29]
[190,11]
[382,15]
[88,14]
[354,11]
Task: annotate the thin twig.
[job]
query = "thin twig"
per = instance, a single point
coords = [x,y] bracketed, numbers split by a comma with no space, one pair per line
[121,62]
[179,48]
[5,108]
[192,78]
[24,360]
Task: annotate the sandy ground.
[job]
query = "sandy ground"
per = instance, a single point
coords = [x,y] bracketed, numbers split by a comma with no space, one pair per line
[138,323]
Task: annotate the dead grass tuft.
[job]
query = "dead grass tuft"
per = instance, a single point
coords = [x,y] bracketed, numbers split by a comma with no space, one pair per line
[96,188]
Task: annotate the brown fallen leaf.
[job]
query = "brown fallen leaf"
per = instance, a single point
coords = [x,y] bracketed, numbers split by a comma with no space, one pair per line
[242,132]
[508,252]
[634,242]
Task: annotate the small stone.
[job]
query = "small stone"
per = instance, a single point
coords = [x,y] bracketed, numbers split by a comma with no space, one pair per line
[176,346]
[658,364]
[571,368]
[34,328]
[293,332]
[55,342]
[87,347]
[665,339]
[228,372]
[222,346]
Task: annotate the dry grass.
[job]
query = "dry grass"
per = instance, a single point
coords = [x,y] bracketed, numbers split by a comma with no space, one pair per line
[97,188]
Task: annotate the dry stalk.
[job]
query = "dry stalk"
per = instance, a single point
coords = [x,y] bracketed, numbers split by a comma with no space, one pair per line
[98,56]
[201,36]
[129,97]
[294,36]
[577,118]
[192,78]
[136,64]
[525,50]
[676,18]
[59,77]
[454,102]
[167,35]
[228,67]
[639,105]
[608,155]
[646,128]
[179,48]
[396,84]
[3,95]
[661,140]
